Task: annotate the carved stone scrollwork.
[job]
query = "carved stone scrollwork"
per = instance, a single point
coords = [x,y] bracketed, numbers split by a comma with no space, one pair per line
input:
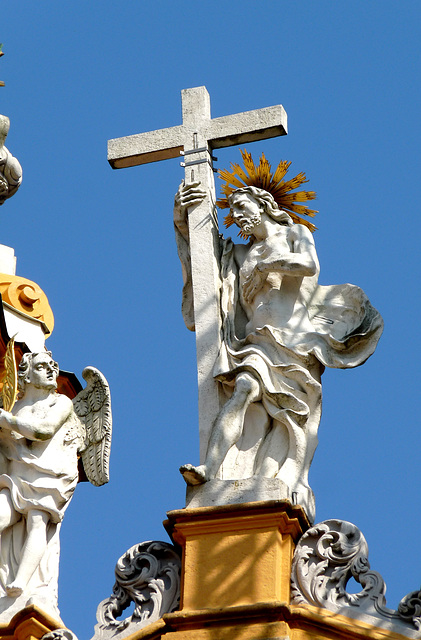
[148,575]
[410,608]
[327,556]
[60,634]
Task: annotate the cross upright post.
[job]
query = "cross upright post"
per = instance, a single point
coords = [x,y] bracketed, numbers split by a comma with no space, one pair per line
[195,139]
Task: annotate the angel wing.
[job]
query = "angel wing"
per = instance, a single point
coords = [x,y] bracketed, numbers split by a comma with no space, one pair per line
[93,407]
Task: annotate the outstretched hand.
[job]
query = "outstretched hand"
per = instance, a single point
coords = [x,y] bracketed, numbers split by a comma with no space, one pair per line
[253,284]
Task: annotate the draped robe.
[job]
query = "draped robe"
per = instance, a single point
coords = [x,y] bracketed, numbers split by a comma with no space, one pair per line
[280,431]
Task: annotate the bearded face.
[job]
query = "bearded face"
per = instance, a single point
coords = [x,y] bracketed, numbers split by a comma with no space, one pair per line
[245,212]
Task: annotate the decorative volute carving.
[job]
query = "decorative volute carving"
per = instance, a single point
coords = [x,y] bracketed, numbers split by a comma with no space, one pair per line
[60,634]
[148,574]
[327,556]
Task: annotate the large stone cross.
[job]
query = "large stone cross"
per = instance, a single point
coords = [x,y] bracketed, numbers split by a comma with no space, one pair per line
[195,139]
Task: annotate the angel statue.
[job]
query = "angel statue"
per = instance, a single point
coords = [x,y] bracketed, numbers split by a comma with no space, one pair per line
[41,439]
[280,328]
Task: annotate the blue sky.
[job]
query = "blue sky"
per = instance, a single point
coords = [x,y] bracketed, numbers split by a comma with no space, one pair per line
[100,242]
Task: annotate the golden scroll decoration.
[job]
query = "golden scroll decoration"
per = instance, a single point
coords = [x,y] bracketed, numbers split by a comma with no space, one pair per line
[27,297]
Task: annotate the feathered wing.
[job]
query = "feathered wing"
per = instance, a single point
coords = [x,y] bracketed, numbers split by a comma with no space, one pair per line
[93,407]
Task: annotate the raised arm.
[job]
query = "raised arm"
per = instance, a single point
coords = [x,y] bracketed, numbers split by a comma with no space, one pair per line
[41,424]
[186,196]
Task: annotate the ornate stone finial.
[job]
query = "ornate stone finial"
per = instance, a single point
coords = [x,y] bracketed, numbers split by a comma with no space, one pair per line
[10,169]
[148,574]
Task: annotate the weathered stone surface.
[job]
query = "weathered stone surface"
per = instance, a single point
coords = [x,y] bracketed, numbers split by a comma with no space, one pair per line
[255,489]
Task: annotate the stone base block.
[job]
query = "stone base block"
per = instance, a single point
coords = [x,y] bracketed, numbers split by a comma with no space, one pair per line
[216,493]
[219,492]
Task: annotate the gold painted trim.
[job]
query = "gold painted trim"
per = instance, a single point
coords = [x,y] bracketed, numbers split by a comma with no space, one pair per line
[302,621]
[31,623]
[26,297]
[223,518]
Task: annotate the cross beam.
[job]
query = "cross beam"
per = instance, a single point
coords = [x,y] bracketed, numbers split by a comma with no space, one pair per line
[195,139]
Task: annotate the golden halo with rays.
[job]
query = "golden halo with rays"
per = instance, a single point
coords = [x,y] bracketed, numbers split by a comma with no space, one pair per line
[260,176]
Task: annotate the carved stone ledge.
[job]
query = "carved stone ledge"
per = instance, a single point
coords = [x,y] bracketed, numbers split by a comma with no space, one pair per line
[327,556]
[148,574]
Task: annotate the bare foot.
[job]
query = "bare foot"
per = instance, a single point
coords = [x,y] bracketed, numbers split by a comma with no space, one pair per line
[13,590]
[193,475]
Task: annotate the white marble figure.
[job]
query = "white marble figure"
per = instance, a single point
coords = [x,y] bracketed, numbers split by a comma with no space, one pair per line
[280,329]
[40,441]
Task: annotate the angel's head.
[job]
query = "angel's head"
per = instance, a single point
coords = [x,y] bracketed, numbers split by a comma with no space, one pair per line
[38,369]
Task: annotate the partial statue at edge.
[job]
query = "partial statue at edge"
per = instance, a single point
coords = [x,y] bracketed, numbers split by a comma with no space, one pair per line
[280,329]
[41,439]
[10,169]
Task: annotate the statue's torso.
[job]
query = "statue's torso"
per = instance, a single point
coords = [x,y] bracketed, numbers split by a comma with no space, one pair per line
[279,302]
[56,455]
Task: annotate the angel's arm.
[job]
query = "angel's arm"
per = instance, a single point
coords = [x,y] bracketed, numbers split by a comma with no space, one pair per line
[35,427]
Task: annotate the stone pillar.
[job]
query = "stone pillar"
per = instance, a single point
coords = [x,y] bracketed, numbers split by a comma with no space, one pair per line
[236,554]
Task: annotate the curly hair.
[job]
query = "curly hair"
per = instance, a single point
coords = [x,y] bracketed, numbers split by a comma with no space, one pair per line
[25,365]
[266,201]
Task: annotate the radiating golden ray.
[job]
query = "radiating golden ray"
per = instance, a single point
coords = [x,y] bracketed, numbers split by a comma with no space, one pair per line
[10,378]
[261,176]
[281,170]
[297,208]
